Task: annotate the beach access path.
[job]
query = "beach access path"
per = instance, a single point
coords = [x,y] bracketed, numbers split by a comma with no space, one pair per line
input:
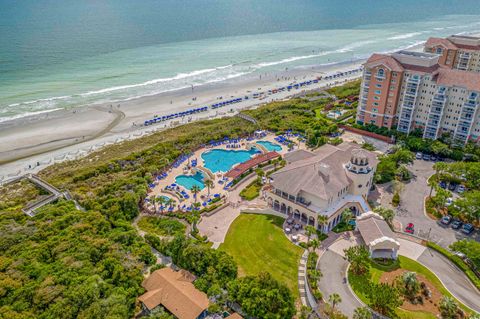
[30,144]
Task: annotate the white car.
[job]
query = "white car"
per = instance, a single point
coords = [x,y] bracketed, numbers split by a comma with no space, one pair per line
[449,201]
[460,189]
[419,155]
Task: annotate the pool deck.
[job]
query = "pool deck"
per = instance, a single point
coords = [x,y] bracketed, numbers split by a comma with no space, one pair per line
[182,169]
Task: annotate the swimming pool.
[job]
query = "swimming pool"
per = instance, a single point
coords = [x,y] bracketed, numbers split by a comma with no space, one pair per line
[270,146]
[188,181]
[165,198]
[223,160]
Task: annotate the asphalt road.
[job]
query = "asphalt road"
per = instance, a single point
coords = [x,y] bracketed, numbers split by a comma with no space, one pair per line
[333,268]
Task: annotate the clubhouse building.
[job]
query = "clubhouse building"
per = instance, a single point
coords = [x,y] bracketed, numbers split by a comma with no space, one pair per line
[323,183]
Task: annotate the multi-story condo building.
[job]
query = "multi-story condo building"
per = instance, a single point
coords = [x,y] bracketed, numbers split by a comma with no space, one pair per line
[323,183]
[456,52]
[412,90]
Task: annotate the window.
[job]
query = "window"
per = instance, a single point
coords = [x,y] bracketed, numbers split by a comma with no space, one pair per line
[375,103]
[378,85]
[380,73]
[439,50]
[377,98]
[378,92]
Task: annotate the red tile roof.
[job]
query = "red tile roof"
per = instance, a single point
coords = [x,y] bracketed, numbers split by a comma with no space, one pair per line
[433,42]
[242,168]
[458,78]
[386,60]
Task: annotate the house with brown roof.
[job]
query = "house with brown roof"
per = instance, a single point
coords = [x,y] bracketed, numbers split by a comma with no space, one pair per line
[174,290]
[324,182]
[379,238]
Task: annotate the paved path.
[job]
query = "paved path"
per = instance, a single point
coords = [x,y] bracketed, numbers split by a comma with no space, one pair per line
[452,278]
[334,268]
[302,270]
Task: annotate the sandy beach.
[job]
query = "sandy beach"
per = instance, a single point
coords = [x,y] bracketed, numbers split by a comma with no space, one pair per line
[31,143]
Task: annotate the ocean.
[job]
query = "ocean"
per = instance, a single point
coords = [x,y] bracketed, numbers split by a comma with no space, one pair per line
[57,54]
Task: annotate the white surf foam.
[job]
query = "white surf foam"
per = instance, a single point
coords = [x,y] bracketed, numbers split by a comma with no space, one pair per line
[404,36]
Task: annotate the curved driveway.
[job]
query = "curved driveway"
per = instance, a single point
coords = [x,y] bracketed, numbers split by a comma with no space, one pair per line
[334,268]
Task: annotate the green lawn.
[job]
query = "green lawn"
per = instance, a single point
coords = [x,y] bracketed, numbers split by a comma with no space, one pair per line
[161,226]
[251,191]
[257,243]
[359,283]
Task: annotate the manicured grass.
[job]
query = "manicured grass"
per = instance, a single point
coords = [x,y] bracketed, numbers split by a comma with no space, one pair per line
[257,243]
[161,226]
[252,191]
[360,283]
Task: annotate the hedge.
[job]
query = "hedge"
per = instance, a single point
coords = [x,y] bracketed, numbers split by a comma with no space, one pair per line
[458,262]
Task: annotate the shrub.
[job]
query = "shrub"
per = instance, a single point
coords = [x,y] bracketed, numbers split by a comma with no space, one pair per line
[396,199]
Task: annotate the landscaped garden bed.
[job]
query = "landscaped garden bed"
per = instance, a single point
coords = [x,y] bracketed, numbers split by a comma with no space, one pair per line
[252,191]
[418,292]
[257,243]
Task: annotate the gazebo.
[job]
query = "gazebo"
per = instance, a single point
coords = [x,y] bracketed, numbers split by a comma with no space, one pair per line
[378,236]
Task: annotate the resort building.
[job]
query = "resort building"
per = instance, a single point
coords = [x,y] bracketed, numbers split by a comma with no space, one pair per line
[456,52]
[174,290]
[411,90]
[324,182]
[378,236]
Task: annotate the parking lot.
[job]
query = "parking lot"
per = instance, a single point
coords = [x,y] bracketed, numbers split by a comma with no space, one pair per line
[411,209]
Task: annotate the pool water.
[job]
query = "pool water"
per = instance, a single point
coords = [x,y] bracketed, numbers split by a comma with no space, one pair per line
[270,146]
[165,198]
[223,160]
[187,181]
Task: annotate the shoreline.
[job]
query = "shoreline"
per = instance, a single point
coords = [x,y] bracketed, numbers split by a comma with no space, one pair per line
[58,136]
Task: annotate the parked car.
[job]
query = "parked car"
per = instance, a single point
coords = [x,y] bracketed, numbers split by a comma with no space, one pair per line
[410,228]
[433,158]
[460,189]
[446,220]
[468,229]
[452,186]
[456,224]
[449,201]
[418,155]
[426,157]
[443,184]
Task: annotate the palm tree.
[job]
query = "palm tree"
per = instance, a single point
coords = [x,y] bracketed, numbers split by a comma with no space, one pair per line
[334,299]
[309,230]
[170,202]
[209,184]
[448,307]
[161,201]
[315,243]
[347,216]
[195,190]
[362,313]
[411,284]
[322,220]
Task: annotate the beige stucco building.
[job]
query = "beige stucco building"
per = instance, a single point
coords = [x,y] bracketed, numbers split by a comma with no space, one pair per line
[412,90]
[457,51]
[324,182]
[379,238]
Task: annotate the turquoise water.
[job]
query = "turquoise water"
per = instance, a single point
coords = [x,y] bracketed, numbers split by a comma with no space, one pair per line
[65,53]
[188,181]
[270,146]
[224,160]
[165,198]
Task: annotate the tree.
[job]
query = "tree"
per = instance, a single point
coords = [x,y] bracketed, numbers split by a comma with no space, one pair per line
[440,198]
[362,313]
[315,243]
[396,199]
[384,298]
[161,200]
[170,202]
[471,249]
[195,190]
[347,216]
[387,214]
[309,230]
[469,205]
[262,296]
[403,173]
[449,308]
[334,300]
[322,220]
[402,156]
[439,148]
[410,284]
[359,259]
[209,184]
